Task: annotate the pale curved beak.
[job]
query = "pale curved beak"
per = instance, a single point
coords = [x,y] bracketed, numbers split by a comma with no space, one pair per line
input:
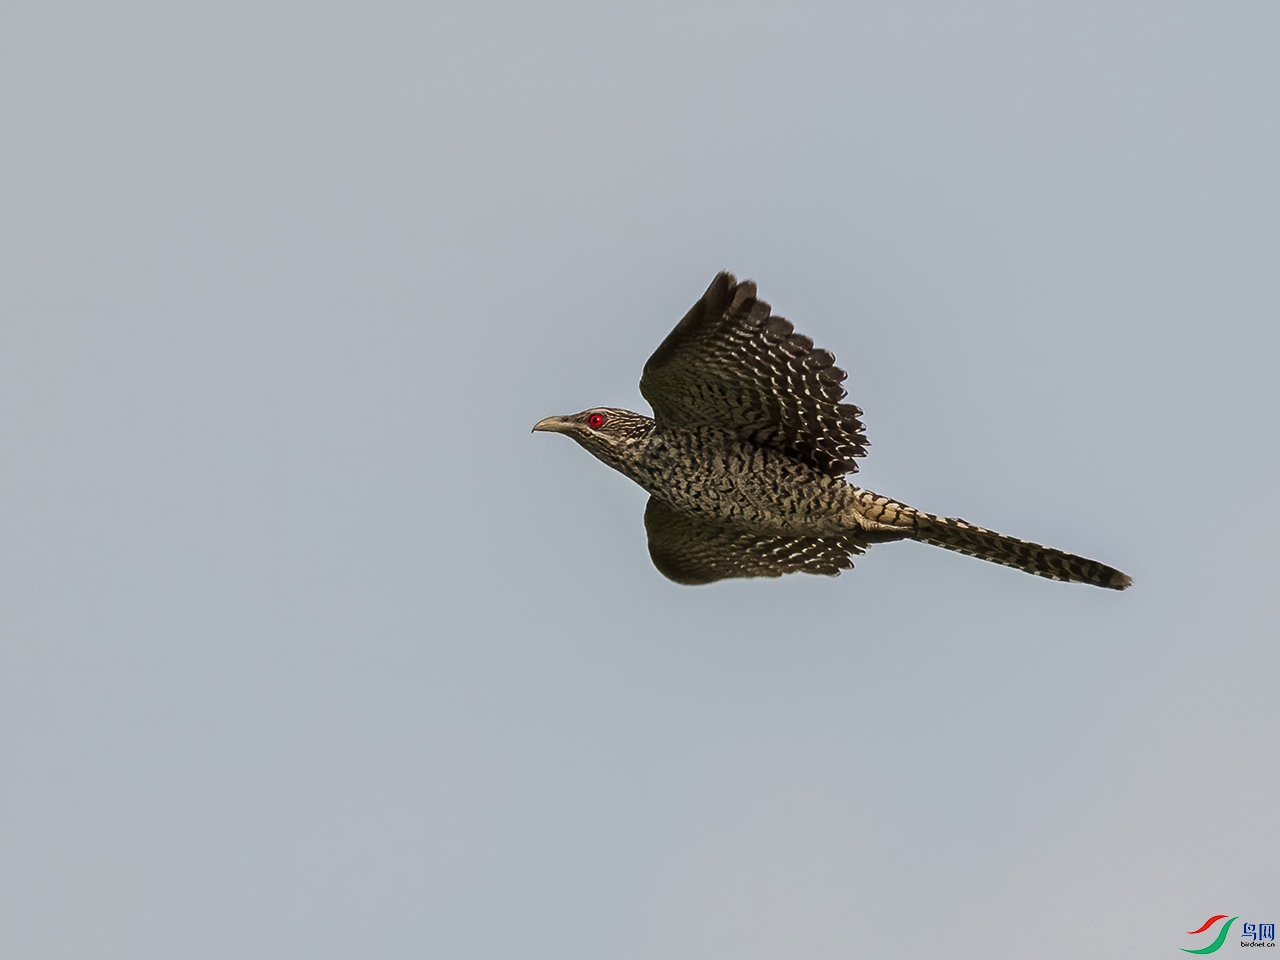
[553,425]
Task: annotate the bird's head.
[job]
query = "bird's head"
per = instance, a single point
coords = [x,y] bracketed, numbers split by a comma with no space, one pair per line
[608,433]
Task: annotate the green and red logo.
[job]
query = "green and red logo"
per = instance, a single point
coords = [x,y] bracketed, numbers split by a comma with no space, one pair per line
[1219,940]
[1251,934]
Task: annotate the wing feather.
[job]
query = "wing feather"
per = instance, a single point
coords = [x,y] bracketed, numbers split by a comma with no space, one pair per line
[730,362]
[690,550]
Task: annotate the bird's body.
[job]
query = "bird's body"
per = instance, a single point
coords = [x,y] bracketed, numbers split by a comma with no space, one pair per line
[738,482]
[746,455]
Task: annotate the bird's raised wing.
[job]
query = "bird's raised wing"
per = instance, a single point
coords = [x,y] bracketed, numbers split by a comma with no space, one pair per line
[731,363]
[689,550]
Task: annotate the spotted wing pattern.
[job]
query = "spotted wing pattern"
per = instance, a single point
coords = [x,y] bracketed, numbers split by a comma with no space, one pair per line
[690,550]
[731,363]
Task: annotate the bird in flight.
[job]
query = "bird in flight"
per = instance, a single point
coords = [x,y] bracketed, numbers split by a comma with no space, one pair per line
[746,453]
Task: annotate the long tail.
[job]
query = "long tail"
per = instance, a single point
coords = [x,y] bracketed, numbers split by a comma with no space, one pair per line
[962,537]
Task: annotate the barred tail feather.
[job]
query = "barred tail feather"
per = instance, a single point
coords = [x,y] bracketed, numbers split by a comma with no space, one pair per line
[954,534]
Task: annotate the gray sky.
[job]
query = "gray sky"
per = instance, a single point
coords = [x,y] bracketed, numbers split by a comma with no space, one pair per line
[309,649]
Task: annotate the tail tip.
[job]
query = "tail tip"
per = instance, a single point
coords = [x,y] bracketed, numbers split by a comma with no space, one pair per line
[1119,581]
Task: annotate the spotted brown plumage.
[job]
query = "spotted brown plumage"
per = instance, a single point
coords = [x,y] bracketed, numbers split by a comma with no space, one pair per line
[745,458]
[731,363]
[687,549]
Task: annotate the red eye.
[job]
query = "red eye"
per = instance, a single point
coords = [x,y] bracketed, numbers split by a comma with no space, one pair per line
[595,421]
